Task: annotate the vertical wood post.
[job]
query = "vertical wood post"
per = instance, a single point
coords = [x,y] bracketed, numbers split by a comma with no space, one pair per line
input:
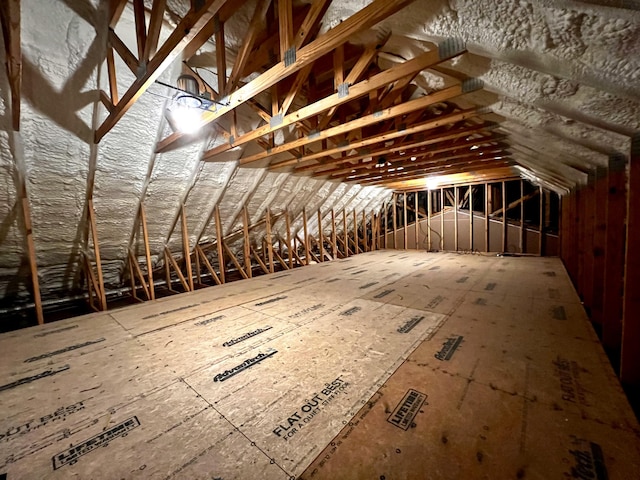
[220,245]
[320,236]
[290,247]
[614,253]
[355,232]
[270,240]
[334,238]
[186,249]
[395,221]
[504,216]
[599,238]
[630,358]
[406,227]
[486,217]
[386,222]
[33,267]
[306,236]
[417,224]
[442,219]
[521,240]
[345,233]
[96,249]
[455,218]
[247,242]
[365,238]
[147,251]
[471,218]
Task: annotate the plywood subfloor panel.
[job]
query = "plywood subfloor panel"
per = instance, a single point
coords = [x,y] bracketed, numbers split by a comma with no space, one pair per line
[303,374]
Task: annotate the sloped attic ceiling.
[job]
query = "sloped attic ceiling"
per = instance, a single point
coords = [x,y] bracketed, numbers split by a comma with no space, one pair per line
[559,94]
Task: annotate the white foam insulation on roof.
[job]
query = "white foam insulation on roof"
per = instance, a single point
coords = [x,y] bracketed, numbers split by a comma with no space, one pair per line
[564,77]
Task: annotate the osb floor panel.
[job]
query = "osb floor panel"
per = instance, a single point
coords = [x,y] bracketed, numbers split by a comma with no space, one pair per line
[498,374]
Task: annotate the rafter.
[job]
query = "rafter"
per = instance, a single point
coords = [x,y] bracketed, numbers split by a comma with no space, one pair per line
[10,21]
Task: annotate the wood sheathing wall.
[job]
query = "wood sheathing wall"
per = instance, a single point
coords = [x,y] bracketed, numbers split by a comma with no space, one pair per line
[600,235]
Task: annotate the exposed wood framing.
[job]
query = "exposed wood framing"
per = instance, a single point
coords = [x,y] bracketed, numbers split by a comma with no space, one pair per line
[99,287]
[360,21]
[172,263]
[471,218]
[183,35]
[405,220]
[334,241]
[289,244]
[208,265]
[269,240]
[10,21]
[31,253]
[235,261]
[307,250]
[219,241]
[504,216]
[247,242]
[456,206]
[442,219]
[630,358]
[186,248]
[429,214]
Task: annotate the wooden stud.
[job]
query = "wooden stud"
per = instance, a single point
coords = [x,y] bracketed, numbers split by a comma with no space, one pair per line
[31,251]
[365,238]
[404,218]
[186,248]
[269,240]
[219,240]
[221,57]
[345,233]
[630,357]
[259,260]
[147,251]
[417,221]
[441,219]
[289,245]
[235,261]
[285,26]
[455,218]
[599,239]
[155,25]
[306,236]
[208,265]
[487,208]
[356,237]
[10,20]
[470,218]
[176,268]
[429,214]
[132,280]
[134,267]
[504,216]
[141,29]
[320,236]
[386,222]
[395,220]
[614,252]
[247,242]
[334,240]
[541,226]
[281,260]
[521,240]
[123,51]
[96,250]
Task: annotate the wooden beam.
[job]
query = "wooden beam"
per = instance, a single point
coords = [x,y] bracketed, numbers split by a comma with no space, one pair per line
[247,241]
[10,21]
[141,28]
[281,260]
[630,358]
[394,215]
[306,236]
[614,257]
[186,248]
[289,244]
[259,260]
[441,219]
[221,57]
[135,268]
[360,21]
[364,121]
[320,236]
[116,7]
[219,240]
[599,246]
[126,55]
[470,218]
[147,252]
[312,19]
[521,239]
[251,34]
[269,240]
[504,217]
[155,25]
[96,249]
[31,252]
[486,216]
[334,240]
[386,222]
[285,26]
[456,206]
[208,265]
[429,214]
[345,233]
[541,227]
[176,268]
[183,34]
[235,261]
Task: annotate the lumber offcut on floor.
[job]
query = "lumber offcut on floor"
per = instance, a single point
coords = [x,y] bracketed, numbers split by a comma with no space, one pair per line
[390,364]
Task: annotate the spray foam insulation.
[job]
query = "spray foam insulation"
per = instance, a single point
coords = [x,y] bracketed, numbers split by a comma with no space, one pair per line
[390,364]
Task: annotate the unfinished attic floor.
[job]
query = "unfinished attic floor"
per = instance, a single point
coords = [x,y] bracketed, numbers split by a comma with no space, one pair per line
[387,365]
